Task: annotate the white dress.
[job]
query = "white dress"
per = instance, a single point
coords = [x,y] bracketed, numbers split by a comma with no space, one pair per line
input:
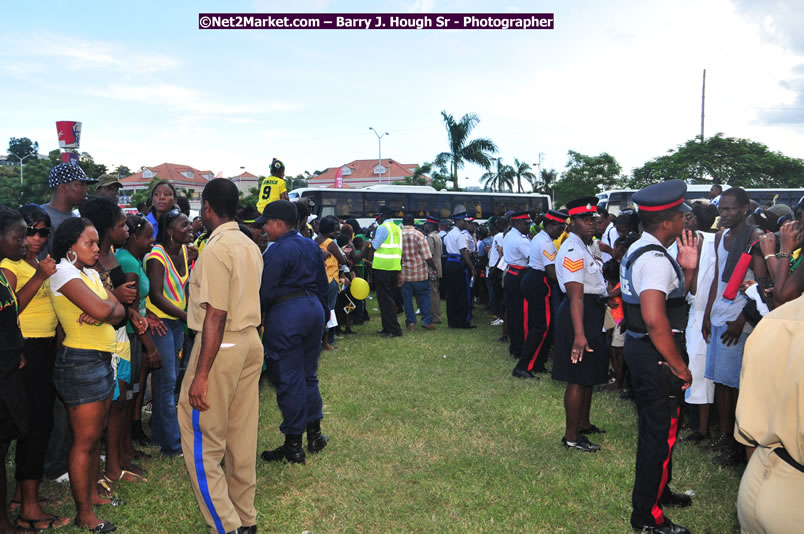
[702,390]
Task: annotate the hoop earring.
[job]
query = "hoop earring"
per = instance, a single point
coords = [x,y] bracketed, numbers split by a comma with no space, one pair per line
[74,257]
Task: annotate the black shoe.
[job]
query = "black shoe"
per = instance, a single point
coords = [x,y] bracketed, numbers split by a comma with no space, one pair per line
[246,530]
[382,331]
[680,500]
[290,451]
[731,456]
[722,441]
[668,527]
[103,526]
[591,430]
[316,441]
[582,444]
[695,437]
[519,373]
[627,394]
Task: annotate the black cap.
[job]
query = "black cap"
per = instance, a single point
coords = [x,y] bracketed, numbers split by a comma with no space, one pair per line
[664,196]
[556,216]
[386,211]
[584,206]
[520,216]
[284,210]
[432,220]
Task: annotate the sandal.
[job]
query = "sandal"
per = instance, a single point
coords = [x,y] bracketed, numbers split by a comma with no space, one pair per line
[50,522]
[132,477]
[104,487]
[103,526]
[15,505]
[137,469]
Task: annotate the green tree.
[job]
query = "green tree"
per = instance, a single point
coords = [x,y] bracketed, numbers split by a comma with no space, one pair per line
[501,178]
[586,175]
[34,188]
[461,149]
[296,182]
[725,160]
[252,197]
[419,176]
[522,170]
[92,169]
[122,171]
[545,182]
[21,147]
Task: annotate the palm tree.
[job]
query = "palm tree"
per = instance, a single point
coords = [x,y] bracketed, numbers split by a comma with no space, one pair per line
[522,170]
[548,178]
[502,177]
[460,148]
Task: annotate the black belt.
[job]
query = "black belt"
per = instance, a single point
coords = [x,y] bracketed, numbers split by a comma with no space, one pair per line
[290,296]
[515,270]
[782,453]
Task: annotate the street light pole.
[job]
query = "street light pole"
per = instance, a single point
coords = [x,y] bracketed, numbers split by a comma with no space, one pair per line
[379,147]
[22,160]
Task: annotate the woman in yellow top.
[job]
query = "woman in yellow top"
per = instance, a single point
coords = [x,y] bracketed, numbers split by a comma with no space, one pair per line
[83,373]
[29,278]
[328,230]
[168,270]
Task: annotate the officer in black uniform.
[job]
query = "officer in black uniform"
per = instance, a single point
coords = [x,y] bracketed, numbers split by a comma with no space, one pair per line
[654,285]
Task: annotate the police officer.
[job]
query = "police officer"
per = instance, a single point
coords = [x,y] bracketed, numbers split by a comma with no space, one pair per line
[219,401]
[580,357]
[516,250]
[536,289]
[654,285]
[294,302]
[458,273]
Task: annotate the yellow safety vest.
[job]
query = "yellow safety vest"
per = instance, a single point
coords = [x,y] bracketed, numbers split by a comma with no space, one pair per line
[389,256]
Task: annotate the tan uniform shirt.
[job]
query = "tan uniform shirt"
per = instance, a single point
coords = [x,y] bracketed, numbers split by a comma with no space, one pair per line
[227,277]
[436,248]
[769,410]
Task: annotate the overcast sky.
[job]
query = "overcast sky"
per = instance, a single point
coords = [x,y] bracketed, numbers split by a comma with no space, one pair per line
[622,77]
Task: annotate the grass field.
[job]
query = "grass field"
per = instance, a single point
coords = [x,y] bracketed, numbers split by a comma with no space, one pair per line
[430,433]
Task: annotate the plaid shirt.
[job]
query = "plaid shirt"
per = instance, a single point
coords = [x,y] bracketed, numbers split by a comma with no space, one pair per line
[415,254]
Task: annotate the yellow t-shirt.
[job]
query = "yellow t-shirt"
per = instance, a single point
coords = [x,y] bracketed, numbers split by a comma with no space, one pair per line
[80,335]
[38,319]
[270,190]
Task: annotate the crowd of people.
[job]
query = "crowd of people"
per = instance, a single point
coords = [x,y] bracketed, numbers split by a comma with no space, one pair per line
[103,312]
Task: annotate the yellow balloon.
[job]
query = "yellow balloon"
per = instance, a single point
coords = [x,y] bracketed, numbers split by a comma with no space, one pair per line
[359,288]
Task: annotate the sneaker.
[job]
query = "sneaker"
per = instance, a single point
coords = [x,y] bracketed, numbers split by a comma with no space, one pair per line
[582,444]
[63,478]
[497,322]
[695,437]
[722,441]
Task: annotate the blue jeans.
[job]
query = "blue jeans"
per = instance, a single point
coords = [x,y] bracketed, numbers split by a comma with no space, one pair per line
[164,420]
[422,291]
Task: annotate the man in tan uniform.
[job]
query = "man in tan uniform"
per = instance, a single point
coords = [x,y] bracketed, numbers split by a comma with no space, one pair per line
[770,417]
[436,248]
[219,401]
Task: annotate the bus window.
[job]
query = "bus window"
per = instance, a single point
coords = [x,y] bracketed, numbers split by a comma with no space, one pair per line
[538,204]
[347,204]
[314,198]
[477,206]
[503,204]
[620,200]
[373,201]
[422,205]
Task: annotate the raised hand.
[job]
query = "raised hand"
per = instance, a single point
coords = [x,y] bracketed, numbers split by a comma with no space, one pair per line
[687,250]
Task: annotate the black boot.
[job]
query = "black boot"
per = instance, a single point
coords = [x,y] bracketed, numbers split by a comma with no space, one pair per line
[291,451]
[316,441]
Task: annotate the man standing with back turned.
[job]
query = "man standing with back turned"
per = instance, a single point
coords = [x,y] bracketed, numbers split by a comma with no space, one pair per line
[654,285]
[219,401]
[387,264]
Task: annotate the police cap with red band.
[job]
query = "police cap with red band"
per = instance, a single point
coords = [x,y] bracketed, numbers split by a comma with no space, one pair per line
[520,216]
[582,207]
[432,220]
[662,196]
[556,216]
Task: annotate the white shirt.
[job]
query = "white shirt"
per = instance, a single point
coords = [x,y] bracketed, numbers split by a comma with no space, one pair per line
[455,241]
[66,271]
[610,236]
[542,251]
[516,248]
[575,263]
[494,251]
[652,270]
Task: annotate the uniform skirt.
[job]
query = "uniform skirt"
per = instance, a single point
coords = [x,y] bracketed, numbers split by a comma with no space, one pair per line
[593,368]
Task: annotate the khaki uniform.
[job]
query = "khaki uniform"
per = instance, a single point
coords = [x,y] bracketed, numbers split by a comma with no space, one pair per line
[227,277]
[770,416]
[435,244]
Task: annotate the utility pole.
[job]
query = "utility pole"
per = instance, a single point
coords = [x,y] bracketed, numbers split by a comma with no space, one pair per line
[703,98]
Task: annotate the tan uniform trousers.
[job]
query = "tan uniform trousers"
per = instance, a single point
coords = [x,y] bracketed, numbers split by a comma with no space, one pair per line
[435,299]
[769,500]
[226,431]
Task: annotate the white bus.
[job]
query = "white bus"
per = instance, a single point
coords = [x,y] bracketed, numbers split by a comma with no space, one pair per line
[364,204]
[617,200]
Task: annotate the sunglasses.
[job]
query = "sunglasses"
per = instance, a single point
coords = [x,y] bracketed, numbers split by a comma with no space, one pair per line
[172,214]
[43,232]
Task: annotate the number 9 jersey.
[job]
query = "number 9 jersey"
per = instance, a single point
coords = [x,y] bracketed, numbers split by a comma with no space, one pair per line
[271,189]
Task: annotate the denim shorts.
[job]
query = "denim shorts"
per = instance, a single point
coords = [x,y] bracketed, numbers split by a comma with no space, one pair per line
[723,363]
[82,376]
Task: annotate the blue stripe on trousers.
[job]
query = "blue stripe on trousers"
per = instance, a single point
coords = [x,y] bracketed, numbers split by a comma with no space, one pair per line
[200,473]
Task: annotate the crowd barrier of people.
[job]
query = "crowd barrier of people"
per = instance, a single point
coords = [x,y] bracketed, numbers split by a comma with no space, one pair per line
[103,314]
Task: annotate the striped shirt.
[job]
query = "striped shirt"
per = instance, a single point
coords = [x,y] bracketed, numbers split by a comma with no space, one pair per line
[173,284]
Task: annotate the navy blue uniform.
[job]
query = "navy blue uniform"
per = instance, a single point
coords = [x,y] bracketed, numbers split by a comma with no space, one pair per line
[294,302]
